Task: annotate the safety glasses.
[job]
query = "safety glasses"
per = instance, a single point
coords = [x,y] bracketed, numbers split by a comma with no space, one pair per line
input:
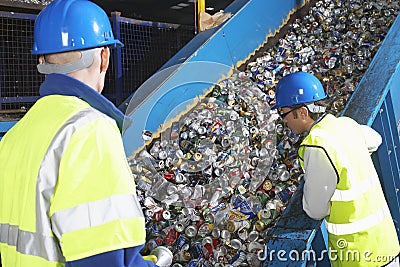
[283,115]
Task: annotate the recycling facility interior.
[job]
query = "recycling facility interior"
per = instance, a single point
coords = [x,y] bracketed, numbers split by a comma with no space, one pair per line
[217,176]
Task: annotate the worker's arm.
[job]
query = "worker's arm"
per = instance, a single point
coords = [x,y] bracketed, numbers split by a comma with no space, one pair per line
[372,138]
[129,257]
[319,183]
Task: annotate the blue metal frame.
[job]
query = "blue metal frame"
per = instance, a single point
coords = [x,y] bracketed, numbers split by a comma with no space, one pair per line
[292,236]
[387,157]
[5,126]
[18,99]
[149,23]
[115,20]
[17,15]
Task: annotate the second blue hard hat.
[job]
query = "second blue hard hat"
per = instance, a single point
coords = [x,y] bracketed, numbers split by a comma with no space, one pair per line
[298,88]
[67,25]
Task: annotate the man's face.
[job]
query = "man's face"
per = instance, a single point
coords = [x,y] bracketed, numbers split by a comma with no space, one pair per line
[290,116]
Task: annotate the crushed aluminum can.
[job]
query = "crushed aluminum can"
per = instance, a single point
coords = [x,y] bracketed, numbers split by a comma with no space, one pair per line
[191,231]
[175,131]
[149,203]
[193,263]
[147,135]
[240,203]
[166,214]
[164,256]
[204,229]
[172,189]
[185,255]
[225,234]
[171,237]
[233,226]
[262,197]
[264,214]
[158,215]
[182,243]
[267,185]
[149,213]
[255,246]
[238,259]
[196,251]
[208,247]
[152,244]
[236,244]
[243,234]
[168,175]
[253,236]
[261,225]
[181,225]
[180,178]
[216,233]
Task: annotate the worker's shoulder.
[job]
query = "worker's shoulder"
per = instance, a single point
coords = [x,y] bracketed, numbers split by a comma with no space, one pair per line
[58,106]
[346,119]
[71,109]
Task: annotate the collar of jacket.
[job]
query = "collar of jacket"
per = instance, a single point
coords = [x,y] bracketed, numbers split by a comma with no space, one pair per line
[61,84]
[315,122]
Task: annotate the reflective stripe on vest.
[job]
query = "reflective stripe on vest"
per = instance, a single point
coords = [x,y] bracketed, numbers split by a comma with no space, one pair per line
[101,212]
[28,243]
[360,225]
[41,243]
[356,190]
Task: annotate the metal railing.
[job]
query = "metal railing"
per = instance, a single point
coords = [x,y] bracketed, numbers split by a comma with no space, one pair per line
[148,45]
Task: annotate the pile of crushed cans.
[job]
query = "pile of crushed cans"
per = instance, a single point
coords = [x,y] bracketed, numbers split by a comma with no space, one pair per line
[214,184]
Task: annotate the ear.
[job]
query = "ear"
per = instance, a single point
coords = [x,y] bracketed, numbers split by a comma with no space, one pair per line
[304,112]
[105,59]
[41,59]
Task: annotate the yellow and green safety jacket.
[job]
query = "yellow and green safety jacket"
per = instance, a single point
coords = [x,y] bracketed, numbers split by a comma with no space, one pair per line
[66,190]
[360,228]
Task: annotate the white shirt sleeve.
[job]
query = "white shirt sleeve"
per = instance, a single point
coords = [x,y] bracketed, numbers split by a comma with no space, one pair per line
[320,181]
[372,138]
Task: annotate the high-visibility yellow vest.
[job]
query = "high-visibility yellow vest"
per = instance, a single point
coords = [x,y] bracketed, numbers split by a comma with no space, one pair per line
[66,190]
[360,228]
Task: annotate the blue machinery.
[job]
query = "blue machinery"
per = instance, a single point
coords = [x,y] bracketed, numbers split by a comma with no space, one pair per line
[5,126]
[216,53]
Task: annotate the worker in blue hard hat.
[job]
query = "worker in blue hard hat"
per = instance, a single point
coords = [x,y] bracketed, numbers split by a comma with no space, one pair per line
[341,184]
[67,194]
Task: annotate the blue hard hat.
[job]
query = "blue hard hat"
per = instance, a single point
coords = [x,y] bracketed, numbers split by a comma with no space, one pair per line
[67,25]
[298,88]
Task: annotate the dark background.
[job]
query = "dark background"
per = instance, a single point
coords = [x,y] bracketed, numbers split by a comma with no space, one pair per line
[168,11]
